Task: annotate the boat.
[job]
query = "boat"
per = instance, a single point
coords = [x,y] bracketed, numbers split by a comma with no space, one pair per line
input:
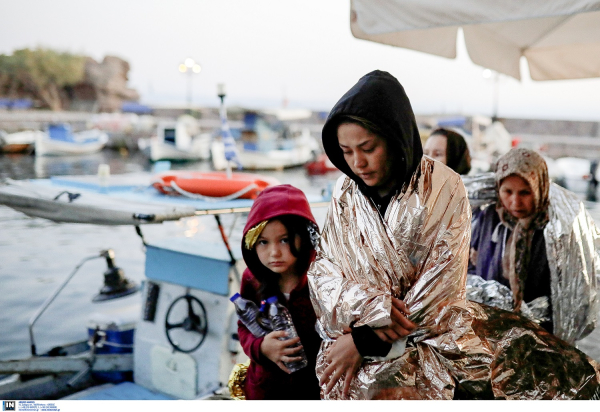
[44,199]
[322,165]
[263,147]
[60,140]
[219,185]
[174,142]
[19,142]
[180,342]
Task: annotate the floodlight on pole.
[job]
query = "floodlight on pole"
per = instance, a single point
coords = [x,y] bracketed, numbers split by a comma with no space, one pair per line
[190,67]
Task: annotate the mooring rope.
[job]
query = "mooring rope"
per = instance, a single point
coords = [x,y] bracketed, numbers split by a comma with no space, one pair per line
[213,199]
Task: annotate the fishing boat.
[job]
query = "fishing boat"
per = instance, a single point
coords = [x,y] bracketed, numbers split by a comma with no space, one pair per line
[45,199]
[173,141]
[60,140]
[180,342]
[264,147]
[213,185]
[19,142]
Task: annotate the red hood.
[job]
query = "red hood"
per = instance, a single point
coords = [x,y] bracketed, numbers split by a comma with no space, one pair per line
[277,201]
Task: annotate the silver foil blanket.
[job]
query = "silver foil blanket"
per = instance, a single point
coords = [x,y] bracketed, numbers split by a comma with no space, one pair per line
[572,243]
[481,188]
[573,250]
[493,293]
[531,363]
[417,252]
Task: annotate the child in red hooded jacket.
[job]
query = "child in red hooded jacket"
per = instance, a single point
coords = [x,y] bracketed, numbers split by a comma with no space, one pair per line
[278,246]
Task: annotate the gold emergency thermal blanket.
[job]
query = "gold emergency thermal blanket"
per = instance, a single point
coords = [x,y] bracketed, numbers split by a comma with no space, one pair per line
[418,252]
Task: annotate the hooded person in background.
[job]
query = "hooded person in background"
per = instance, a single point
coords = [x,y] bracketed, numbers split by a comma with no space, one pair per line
[450,148]
[389,281]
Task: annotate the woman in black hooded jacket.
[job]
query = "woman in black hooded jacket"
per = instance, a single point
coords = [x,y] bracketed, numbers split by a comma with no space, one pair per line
[389,281]
[393,255]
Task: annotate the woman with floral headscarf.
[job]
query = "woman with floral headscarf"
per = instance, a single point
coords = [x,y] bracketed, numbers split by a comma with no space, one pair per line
[527,238]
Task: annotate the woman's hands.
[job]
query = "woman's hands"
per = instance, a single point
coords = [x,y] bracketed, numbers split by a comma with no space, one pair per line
[279,351]
[401,326]
[344,361]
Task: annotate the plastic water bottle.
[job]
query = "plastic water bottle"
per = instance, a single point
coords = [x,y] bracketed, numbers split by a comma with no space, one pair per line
[248,313]
[263,316]
[282,320]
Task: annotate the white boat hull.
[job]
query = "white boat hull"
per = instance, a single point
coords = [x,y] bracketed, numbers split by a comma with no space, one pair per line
[158,150]
[45,146]
[268,160]
[53,203]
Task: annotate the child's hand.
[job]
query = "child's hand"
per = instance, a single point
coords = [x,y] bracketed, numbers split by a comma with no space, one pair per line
[279,351]
[401,326]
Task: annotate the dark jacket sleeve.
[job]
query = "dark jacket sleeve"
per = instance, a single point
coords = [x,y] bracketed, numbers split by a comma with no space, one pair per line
[250,343]
[368,343]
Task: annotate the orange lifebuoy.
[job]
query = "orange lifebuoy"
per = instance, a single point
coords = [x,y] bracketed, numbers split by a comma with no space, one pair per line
[212,184]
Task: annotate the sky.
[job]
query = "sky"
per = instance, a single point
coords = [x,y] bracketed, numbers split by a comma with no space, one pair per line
[268,51]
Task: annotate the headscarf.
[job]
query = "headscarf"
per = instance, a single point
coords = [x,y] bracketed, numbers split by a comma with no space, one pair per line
[532,168]
[458,157]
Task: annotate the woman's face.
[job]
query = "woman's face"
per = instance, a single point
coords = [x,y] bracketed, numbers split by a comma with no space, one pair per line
[436,147]
[516,197]
[273,248]
[367,156]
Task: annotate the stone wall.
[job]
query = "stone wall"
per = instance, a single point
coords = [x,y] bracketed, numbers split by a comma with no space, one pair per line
[105,84]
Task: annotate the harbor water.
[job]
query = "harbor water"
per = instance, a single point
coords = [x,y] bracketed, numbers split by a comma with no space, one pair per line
[36,255]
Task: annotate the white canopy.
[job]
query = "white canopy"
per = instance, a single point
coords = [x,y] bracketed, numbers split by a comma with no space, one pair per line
[559,38]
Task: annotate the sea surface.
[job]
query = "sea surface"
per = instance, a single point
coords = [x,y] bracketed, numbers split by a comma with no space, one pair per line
[36,255]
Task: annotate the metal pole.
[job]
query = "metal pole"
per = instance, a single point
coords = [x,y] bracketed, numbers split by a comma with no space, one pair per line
[228,169]
[48,301]
[495,106]
[189,94]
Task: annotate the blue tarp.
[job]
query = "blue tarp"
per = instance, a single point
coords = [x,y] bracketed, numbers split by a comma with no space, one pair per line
[19,104]
[135,107]
[452,121]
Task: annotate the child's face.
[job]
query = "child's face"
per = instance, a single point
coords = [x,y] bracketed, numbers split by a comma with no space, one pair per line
[273,248]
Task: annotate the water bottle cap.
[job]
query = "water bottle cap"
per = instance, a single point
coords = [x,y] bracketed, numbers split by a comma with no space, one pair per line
[272,299]
[234,297]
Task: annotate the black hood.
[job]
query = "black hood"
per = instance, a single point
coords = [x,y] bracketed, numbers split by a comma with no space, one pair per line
[379,98]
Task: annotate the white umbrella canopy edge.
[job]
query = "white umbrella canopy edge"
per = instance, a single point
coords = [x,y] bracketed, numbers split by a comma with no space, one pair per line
[559,39]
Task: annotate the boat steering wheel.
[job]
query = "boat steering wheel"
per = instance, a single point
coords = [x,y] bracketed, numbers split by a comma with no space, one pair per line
[195,323]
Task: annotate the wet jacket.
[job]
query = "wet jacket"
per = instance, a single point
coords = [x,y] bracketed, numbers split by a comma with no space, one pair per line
[264,379]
